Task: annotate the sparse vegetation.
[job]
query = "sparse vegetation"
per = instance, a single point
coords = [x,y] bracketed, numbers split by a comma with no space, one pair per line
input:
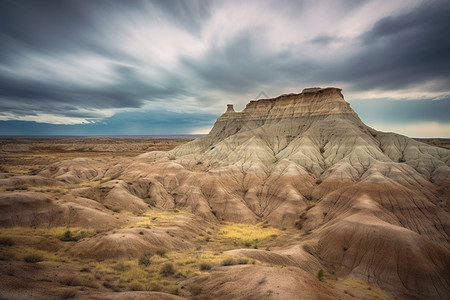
[145,259]
[204,266]
[161,252]
[16,188]
[61,233]
[6,241]
[68,294]
[320,274]
[195,289]
[33,257]
[71,281]
[167,269]
[362,286]
[229,262]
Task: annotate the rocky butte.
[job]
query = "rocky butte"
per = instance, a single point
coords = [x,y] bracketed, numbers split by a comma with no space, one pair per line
[358,203]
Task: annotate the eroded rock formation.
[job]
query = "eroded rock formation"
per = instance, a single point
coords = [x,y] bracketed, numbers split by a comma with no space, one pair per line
[362,203]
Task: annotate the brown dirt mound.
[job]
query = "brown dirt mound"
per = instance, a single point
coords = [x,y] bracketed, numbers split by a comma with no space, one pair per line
[40,210]
[257,282]
[127,243]
[391,257]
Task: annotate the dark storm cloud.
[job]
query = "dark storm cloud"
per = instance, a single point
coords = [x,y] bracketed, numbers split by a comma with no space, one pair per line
[77,58]
[34,96]
[241,65]
[60,28]
[403,50]
[399,51]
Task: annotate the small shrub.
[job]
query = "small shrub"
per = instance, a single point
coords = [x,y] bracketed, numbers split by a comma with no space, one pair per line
[108,285]
[6,241]
[135,286]
[195,289]
[228,262]
[167,269]
[71,281]
[33,258]
[8,255]
[242,261]
[320,274]
[161,252]
[204,266]
[85,270]
[144,260]
[318,181]
[68,294]
[121,266]
[247,244]
[153,286]
[141,232]
[16,188]
[67,236]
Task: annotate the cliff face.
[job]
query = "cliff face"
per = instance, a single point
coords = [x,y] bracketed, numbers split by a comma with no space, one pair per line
[293,109]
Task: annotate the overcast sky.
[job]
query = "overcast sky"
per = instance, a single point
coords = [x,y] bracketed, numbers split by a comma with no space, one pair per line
[170,67]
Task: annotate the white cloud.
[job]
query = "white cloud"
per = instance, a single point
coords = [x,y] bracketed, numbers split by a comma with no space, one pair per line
[47,118]
[428,90]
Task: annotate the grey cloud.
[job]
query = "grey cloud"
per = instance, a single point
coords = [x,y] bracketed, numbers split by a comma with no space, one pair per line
[59,29]
[398,51]
[241,65]
[403,50]
[129,91]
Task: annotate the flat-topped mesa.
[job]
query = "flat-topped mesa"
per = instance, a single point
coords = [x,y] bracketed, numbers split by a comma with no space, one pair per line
[310,102]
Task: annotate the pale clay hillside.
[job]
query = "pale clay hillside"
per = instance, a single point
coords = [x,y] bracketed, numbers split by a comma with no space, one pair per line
[366,209]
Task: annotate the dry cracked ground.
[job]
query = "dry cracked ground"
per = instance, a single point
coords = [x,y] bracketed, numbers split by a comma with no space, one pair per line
[292,198]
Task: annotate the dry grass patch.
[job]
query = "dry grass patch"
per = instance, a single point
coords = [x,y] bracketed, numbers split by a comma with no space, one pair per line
[362,286]
[248,235]
[61,233]
[155,217]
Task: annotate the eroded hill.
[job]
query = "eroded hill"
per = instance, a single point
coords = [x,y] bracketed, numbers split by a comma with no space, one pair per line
[357,212]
